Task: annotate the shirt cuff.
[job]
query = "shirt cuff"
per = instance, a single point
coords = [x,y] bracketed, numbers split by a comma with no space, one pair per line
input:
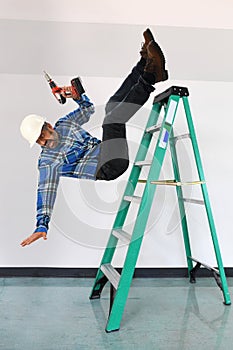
[83,100]
[41,229]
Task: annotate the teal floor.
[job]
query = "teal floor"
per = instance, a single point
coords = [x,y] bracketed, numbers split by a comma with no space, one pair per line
[169,314]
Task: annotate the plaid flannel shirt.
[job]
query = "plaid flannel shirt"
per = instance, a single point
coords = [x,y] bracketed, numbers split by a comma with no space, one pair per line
[75,156]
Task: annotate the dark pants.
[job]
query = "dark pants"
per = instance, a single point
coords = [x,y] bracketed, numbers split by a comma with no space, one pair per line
[128,99]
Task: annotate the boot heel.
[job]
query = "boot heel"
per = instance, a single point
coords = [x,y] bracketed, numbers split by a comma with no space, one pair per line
[165,75]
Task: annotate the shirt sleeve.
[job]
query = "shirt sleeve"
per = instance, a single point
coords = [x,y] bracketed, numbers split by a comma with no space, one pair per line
[46,195]
[82,114]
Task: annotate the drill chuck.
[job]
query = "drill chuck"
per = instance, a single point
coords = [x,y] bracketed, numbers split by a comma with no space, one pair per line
[55,89]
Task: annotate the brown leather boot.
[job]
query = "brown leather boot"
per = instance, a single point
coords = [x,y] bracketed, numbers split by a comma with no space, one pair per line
[148,36]
[155,62]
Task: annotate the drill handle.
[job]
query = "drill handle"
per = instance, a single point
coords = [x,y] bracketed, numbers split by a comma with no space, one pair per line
[57,93]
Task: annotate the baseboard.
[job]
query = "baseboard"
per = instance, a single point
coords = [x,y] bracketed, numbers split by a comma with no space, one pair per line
[91,272]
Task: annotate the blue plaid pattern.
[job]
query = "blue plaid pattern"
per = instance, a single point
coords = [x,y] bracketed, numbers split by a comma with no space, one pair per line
[76,156]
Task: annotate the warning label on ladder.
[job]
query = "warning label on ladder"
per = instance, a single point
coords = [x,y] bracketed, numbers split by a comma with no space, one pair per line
[171,112]
[164,138]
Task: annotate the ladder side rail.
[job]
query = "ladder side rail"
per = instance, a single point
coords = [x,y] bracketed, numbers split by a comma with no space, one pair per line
[129,190]
[179,192]
[206,200]
[135,172]
[140,223]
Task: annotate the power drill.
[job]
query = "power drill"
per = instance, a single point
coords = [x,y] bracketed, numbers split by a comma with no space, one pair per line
[75,90]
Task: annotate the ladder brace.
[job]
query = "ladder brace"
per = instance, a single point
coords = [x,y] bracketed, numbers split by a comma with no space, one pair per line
[198,266]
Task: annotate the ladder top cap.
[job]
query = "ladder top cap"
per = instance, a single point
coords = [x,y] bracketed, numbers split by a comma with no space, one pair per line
[173,90]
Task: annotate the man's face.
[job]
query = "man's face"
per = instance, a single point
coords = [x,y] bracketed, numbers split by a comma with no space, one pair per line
[49,137]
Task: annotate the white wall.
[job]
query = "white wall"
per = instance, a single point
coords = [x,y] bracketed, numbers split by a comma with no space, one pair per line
[100,42]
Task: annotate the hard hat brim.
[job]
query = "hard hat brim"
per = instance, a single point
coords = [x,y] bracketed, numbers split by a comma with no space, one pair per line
[37,135]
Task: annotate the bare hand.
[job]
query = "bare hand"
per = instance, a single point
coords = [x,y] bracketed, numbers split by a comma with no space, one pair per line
[33,238]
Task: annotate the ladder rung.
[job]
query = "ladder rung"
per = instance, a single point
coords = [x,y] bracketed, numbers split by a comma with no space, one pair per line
[203,264]
[122,235]
[153,128]
[142,181]
[195,201]
[143,162]
[112,275]
[176,183]
[179,137]
[135,199]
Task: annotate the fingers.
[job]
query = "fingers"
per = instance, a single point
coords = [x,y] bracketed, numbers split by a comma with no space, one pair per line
[67,91]
[23,243]
[28,241]
[33,238]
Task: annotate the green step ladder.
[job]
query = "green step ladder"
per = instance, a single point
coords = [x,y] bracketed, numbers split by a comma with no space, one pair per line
[120,283]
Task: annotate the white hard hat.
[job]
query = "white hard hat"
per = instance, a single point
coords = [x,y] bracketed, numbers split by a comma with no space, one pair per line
[31,128]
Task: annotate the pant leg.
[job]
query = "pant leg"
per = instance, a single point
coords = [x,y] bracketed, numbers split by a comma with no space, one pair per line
[126,86]
[132,102]
[132,94]
[114,159]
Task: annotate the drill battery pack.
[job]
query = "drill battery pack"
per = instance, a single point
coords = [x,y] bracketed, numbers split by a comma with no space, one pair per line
[77,86]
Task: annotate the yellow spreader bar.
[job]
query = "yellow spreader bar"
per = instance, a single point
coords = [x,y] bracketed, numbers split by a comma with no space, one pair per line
[173,182]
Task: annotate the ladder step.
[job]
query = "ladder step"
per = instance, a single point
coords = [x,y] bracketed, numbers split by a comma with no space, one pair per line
[143,162]
[135,199]
[180,137]
[122,235]
[173,90]
[153,128]
[190,200]
[112,275]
